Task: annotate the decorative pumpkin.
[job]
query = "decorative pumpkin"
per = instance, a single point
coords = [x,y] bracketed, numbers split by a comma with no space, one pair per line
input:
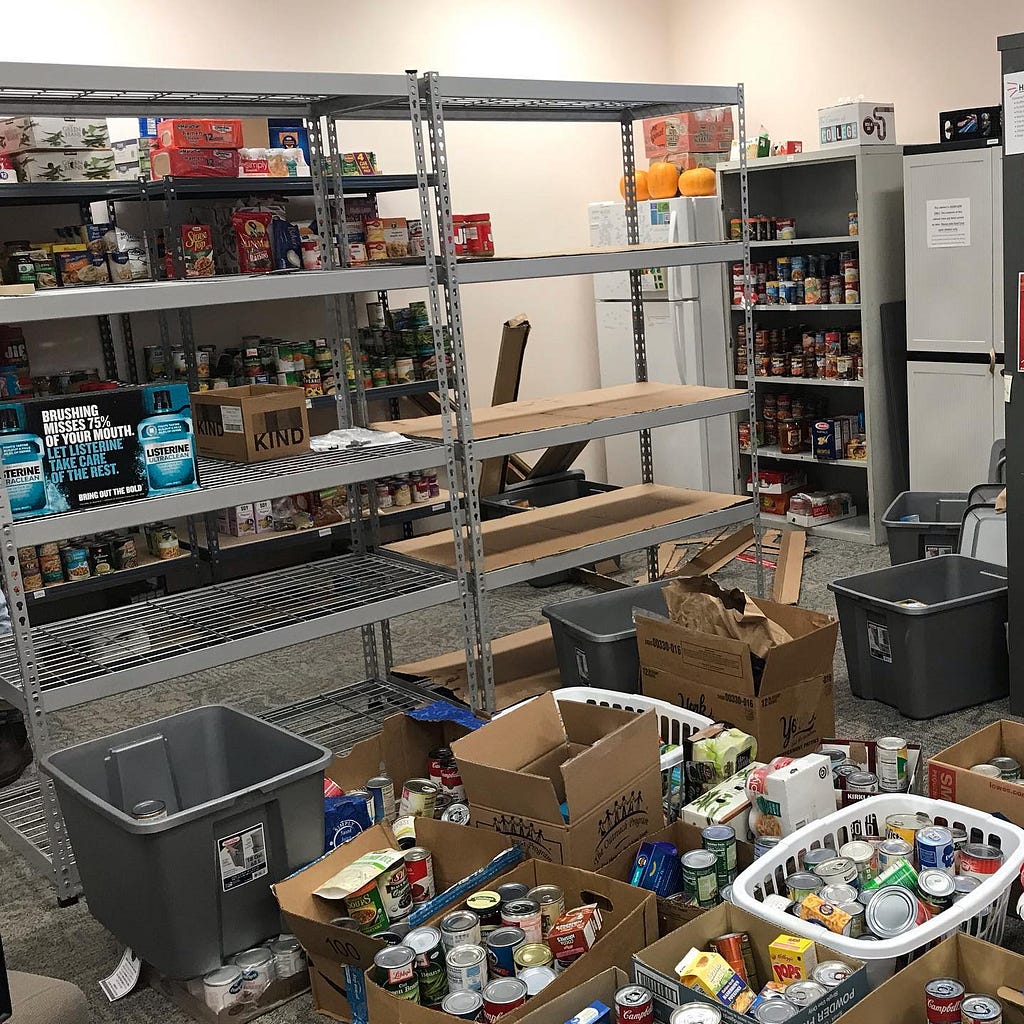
[662,180]
[699,181]
[640,184]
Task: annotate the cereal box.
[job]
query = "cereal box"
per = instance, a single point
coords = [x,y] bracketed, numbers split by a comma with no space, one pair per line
[200,133]
[793,958]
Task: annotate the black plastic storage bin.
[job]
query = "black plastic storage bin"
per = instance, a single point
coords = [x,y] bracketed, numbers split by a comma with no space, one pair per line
[244,808]
[540,493]
[928,637]
[595,637]
[937,530]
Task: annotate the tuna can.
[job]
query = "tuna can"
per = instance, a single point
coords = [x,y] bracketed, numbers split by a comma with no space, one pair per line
[894,849]
[419,867]
[764,844]
[891,912]
[419,796]
[942,1000]
[524,914]
[864,783]
[429,964]
[536,979]
[382,791]
[721,841]
[486,904]
[981,1009]
[460,928]
[905,826]
[980,860]
[831,973]
[838,892]
[802,884]
[936,888]
[700,877]
[1009,768]
[804,993]
[464,1004]
[223,988]
[552,904]
[396,973]
[837,870]
[532,954]
[289,956]
[503,996]
[812,858]
[634,1004]
[501,945]
[933,847]
[257,967]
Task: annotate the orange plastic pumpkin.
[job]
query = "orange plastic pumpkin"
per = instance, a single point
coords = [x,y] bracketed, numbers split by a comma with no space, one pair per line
[640,180]
[662,180]
[699,181]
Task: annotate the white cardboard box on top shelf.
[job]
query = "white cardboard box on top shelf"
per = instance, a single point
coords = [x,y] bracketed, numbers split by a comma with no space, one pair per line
[857,123]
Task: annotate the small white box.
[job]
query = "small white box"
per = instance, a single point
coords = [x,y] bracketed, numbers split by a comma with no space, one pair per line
[793,796]
[21,133]
[264,515]
[724,804]
[857,124]
[238,521]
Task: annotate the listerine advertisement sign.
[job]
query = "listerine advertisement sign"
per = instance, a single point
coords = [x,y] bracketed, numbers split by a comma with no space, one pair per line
[99,448]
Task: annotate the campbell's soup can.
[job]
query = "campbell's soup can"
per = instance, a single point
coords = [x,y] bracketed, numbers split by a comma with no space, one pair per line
[503,996]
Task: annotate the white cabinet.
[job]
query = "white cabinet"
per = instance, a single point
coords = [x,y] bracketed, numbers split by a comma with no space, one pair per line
[955,412]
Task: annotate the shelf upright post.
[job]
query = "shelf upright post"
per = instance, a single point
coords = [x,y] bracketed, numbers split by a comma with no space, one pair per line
[636,302]
[63,870]
[748,323]
[463,470]
[334,251]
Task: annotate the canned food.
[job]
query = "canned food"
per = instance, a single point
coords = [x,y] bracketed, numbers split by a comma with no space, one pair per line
[891,850]
[223,988]
[524,914]
[964,885]
[486,904]
[836,870]
[700,877]
[464,1004]
[366,905]
[735,228]
[936,888]
[391,937]
[257,967]
[149,810]
[981,1009]
[692,1013]
[393,883]
[942,1000]
[802,884]
[429,964]
[1009,767]
[838,892]
[891,763]
[891,912]
[552,904]
[419,867]
[980,860]
[393,966]
[511,891]
[863,856]
[501,997]
[990,771]
[736,949]
[785,228]
[721,841]
[289,956]
[501,945]
[831,973]
[861,782]
[382,790]
[536,978]
[856,912]
[906,826]
[466,967]
[532,954]
[804,993]
[460,928]
[419,797]
[634,1004]
[934,848]
[763,844]
[774,1011]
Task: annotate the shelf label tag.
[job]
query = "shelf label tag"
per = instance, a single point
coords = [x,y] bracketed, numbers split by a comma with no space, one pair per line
[124,977]
[325,531]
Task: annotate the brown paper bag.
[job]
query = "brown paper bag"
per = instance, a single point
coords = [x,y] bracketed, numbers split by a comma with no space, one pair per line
[700,604]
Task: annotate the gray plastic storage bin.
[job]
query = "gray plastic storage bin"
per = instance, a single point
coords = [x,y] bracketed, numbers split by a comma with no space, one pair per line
[983,534]
[595,638]
[945,654]
[245,808]
[936,532]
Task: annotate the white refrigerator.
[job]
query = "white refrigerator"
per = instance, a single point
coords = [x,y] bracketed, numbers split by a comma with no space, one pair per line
[687,341]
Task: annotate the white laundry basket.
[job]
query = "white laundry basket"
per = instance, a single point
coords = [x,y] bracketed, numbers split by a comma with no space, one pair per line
[674,725]
[981,913]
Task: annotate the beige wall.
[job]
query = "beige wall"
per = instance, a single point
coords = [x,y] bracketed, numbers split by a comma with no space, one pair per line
[925,55]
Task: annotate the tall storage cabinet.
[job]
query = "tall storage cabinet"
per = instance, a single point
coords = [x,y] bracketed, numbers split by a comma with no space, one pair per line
[953,216]
[820,190]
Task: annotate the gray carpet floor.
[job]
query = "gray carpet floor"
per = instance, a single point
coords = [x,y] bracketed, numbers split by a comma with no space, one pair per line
[68,943]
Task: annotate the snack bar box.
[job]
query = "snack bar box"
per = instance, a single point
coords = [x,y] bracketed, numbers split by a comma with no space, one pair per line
[75,452]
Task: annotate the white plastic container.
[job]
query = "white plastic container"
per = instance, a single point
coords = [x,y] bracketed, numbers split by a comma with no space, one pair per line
[982,913]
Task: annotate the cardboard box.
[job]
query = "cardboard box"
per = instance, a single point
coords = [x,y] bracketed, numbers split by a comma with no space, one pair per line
[252,423]
[600,988]
[72,452]
[263,513]
[790,710]
[980,966]
[65,165]
[340,956]
[863,752]
[857,124]
[601,763]
[279,993]
[694,131]
[193,162]
[199,133]
[629,922]
[950,776]
[673,912]
[655,967]
[524,666]
[20,133]
[237,521]
[688,161]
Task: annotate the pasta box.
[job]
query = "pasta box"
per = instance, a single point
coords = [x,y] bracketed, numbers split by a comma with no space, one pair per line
[252,423]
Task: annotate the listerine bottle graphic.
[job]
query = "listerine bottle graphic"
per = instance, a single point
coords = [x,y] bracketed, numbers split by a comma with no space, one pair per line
[168,447]
[22,456]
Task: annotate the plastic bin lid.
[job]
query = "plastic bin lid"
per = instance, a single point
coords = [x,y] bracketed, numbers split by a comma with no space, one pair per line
[983,534]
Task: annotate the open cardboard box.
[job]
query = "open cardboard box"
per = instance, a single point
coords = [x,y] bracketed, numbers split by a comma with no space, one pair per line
[251,423]
[602,763]
[978,965]
[950,776]
[863,752]
[602,987]
[655,967]
[339,956]
[673,913]
[789,710]
[629,922]
[524,666]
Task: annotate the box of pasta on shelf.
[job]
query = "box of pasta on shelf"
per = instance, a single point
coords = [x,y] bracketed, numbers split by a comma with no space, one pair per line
[69,453]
